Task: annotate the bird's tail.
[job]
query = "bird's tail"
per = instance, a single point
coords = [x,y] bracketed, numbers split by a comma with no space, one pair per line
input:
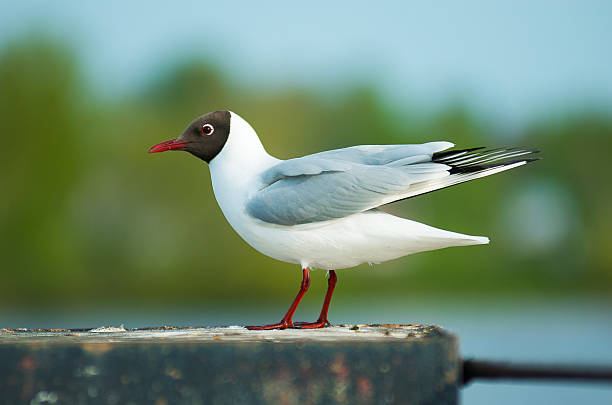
[425,237]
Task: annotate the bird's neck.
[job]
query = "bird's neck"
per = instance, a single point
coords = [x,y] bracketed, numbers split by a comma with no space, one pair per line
[242,157]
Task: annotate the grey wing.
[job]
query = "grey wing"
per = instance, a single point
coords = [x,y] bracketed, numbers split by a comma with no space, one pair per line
[335,194]
[338,183]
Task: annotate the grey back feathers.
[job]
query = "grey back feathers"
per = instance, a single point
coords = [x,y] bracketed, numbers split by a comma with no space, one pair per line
[338,183]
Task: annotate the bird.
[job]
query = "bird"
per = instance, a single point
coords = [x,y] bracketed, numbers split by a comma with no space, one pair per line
[323,210]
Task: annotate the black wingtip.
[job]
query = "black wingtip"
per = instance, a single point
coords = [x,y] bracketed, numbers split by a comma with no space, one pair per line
[442,155]
[471,156]
[478,168]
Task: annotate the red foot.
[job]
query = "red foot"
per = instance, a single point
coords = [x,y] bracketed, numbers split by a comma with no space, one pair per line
[311,325]
[281,325]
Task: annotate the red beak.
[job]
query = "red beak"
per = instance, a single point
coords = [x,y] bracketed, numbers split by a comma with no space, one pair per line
[172,144]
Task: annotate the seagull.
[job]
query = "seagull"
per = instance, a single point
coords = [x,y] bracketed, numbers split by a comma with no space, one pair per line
[323,210]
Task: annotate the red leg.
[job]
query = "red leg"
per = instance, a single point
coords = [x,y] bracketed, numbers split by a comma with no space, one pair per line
[287,321]
[322,321]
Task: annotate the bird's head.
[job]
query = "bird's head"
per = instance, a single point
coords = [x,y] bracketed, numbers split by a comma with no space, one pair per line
[203,138]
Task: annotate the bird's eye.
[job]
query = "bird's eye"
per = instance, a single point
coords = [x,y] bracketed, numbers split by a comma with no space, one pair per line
[207,129]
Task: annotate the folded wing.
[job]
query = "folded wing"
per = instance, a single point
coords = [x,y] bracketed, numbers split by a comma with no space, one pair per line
[338,183]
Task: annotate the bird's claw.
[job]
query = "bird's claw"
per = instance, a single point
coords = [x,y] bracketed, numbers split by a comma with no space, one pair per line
[312,325]
[280,325]
[291,325]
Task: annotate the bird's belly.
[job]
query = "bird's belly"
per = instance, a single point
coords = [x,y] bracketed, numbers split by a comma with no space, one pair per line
[347,242]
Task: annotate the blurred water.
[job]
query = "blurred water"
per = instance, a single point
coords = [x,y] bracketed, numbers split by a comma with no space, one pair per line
[568,331]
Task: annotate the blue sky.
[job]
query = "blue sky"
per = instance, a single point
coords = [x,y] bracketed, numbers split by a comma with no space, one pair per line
[512,60]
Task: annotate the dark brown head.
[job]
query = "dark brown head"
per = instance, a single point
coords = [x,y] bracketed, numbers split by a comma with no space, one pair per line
[203,138]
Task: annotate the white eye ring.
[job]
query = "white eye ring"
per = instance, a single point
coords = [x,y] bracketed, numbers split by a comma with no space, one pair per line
[207,129]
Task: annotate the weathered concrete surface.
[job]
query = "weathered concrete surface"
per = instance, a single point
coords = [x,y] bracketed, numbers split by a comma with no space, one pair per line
[375,364]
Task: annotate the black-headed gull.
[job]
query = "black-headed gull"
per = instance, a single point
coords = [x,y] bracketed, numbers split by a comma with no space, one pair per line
[321,210]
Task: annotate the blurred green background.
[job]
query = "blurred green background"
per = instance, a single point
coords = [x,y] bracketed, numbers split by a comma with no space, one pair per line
[87,215]
[88,218]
